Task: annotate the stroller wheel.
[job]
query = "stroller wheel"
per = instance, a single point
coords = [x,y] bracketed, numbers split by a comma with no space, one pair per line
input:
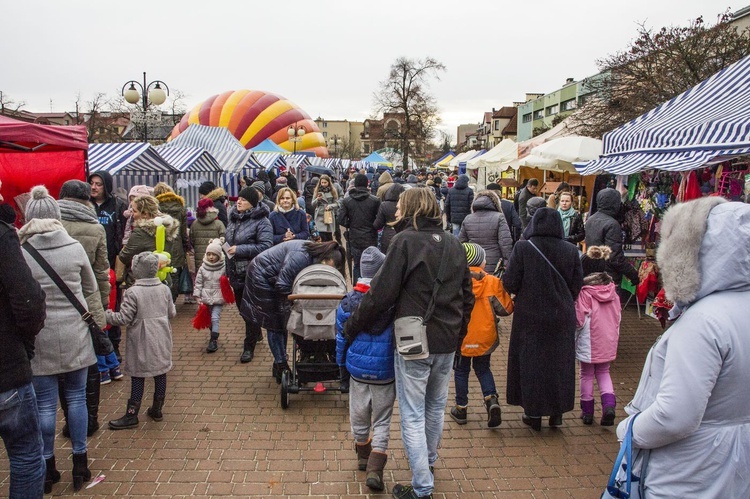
[285,389]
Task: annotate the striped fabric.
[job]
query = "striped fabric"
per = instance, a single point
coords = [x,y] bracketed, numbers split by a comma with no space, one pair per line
[297,162]
[130,164]
[270,160]
[212,138]
[704,124]
[185,159]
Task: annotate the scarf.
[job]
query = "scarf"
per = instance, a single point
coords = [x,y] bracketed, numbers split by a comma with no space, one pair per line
[39,226]
[213,266]
[282,210]
[567,216]
[75,211]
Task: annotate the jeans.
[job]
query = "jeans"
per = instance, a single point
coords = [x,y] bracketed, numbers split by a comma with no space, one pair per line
[484,375]
[19,429]
[215,317]
[75,395]
[601,372]
[422,390]
[107,362]
[456,228]
[277,343]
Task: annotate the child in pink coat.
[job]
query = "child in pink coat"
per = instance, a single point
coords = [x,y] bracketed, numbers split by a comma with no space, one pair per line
[598,329]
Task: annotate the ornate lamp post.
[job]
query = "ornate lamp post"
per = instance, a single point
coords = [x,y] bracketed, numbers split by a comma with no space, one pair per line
[151,93]
[295,135]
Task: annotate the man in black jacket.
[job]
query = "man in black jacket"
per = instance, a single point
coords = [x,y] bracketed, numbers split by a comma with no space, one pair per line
[526,193]
[22,314]
[357,213]
[458,203]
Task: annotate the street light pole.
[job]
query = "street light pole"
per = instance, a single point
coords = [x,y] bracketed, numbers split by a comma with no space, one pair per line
[147,95]
[295,135]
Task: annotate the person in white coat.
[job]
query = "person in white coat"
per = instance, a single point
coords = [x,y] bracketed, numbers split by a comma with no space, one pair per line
[692,404]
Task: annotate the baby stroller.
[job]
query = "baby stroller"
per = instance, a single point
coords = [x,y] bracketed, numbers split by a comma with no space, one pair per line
[316,294]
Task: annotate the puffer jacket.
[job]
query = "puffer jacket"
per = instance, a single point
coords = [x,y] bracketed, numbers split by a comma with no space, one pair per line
[487,228]
[252,233]
[387,215]
[174,206]
[357,213]
[459,200]
[208,283]
[482,335]
[369,357]
[203,231]
[269,281]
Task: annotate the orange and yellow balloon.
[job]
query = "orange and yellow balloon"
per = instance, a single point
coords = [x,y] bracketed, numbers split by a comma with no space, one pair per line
[253,116]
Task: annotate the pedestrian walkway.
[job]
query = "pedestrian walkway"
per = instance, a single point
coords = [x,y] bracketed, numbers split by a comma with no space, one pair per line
[225,434]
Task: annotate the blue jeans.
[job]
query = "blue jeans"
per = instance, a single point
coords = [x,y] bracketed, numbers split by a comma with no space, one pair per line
[19,429]
[484,375]
[78,415]
[456,229]
[277,343]
[215,317]
[105,363]
[422,389]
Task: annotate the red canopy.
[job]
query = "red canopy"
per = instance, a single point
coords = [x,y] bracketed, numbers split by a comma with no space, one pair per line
[19,135]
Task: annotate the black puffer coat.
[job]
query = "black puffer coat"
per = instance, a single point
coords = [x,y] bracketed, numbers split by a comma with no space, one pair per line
[252,233]
[541,354]
[387,215]
[458,201]
[270,277]
[487,228]
[357,213]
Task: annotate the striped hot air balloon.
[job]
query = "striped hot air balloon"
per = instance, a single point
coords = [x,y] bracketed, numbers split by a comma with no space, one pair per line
[253,116]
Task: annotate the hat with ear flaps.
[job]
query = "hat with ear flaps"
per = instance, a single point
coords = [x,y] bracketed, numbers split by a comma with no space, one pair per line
[144,265]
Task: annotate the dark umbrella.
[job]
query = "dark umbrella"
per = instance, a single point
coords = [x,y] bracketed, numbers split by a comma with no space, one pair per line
[319,170]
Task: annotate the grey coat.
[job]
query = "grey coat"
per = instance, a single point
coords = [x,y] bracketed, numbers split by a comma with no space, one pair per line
[64,345]
[320,206]
[203,231]
[146,309]
[487,227]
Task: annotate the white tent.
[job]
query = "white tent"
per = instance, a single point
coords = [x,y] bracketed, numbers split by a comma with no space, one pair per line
[571,149]
[504,152]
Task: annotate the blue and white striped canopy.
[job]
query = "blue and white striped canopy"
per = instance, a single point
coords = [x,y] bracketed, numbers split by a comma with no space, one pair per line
[212,138]
[705,124]
[184,159]
[131,157]
[270,160]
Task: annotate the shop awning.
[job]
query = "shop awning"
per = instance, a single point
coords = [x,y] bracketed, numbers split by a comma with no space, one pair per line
[23,136]
[505,151]
[184,159]
[269,160]
[707,123]
[131,157]
[445,157]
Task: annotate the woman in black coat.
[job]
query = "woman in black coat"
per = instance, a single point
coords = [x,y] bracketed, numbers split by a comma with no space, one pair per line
[387,215]
[269,281]
[288,220]
[541,354]
[248,234]
[573,230]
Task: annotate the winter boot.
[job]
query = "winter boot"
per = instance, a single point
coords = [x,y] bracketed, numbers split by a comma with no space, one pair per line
[608,409]
[52,476]
[375,466]
[81,471]
[494,414]
[213,343]
[278,370]
[534,421]
[363,454]
[154,411]
[93,389]
[130,419]
[555,420]
[458,414]
[587,411]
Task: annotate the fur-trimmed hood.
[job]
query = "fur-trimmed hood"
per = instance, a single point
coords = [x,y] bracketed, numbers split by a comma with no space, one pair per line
[217,194]
[486,200]
[170,196]
[704,248]
[171,226]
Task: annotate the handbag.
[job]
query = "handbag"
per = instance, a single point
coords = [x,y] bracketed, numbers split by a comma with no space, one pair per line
[622,478]
[186,281]
[327,216]
[102,344]
[411,331]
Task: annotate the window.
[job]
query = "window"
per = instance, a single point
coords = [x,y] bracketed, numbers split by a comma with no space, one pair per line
[552,110]
[527,118]
[538,115]
[366,148]
[325,134]
[325,124]
[568,105]
[496,125]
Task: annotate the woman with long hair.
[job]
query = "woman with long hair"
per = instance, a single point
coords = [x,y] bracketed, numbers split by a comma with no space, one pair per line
[325,202]
[421,257]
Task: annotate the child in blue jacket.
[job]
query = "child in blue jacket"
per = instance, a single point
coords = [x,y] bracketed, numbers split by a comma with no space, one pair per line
[368,359]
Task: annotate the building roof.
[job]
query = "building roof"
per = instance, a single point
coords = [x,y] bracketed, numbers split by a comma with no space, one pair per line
[505,112]
[512,127]
[741,13]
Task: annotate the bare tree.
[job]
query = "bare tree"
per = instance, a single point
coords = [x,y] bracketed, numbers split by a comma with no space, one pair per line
[445,141]
[177,105]
[406,92]
[657,66]
[8,105]
[349,149]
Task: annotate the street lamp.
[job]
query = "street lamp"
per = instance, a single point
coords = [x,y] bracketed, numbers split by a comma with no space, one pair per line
[150,93]
[335,141]
[295,135]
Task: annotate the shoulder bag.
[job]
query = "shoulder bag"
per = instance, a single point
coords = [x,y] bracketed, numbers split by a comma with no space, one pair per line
[623,482]
[102,344]
[411,331]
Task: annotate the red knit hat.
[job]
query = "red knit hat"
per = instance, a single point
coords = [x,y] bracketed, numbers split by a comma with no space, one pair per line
[203,206]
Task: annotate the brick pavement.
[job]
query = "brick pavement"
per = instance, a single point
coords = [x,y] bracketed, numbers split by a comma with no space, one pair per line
[224,434]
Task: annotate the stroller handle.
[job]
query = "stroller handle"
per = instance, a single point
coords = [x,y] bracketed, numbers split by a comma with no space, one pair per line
[315,297]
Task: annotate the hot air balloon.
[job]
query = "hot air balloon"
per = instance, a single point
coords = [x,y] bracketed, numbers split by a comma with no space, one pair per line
[253,116]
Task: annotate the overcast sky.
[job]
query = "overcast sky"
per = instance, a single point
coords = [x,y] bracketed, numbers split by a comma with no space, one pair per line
[326,56]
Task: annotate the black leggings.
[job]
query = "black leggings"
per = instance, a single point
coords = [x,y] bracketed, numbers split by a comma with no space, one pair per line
[137,385]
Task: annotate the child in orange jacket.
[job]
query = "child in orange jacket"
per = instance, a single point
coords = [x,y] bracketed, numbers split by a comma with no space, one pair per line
[481,339]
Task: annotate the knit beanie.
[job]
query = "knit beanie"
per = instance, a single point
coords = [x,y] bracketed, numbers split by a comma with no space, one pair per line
[140,190]
[493,186]
[594,259]
[250,194]
[75,189]
[260,185]
[360,180]
[204,205]
[475,254]
[412,179]
[41,205]
[370,262]
[144,265]
[215,247]
[534,204]
[206,187]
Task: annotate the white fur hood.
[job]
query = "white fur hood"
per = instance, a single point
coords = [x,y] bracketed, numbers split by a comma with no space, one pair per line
[705,247]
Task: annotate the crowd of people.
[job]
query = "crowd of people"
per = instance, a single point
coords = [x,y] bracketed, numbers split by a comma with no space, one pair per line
[427,254]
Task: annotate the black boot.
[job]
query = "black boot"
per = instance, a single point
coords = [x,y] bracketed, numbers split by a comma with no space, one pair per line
[278,370]
[494,413]
[213,343]
[52,476]
[154,411]
[93,389]
[81,471]
[130,419]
